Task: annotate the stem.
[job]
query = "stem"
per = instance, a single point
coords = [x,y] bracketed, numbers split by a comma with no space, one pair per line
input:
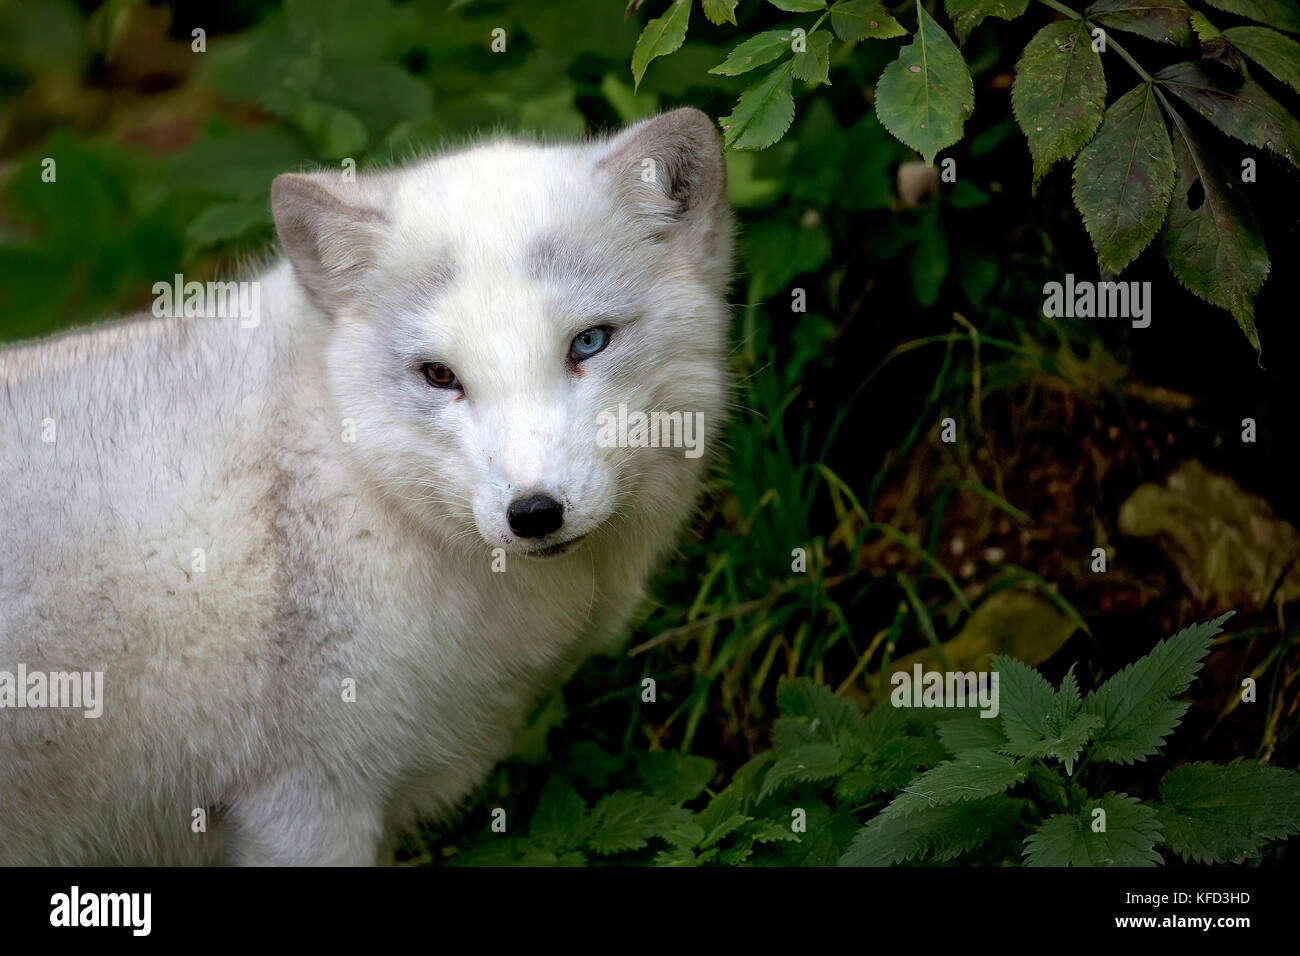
[1110,43]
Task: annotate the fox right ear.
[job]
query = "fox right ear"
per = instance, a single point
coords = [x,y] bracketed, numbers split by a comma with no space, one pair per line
[331,230]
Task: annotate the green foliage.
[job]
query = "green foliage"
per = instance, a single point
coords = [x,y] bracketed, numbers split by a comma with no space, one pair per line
[1106,172]
[1124,833]
[1059,94]
[1219,814]
[925,96]
[998,797]
[1136,706]
[1131,183]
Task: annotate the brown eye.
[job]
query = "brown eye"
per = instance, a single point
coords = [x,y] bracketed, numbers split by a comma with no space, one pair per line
[439,376]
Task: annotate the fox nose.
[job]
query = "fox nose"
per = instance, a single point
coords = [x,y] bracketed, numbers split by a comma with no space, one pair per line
[535,515]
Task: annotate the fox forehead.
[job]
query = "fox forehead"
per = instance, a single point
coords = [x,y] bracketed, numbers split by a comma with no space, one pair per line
[497,196]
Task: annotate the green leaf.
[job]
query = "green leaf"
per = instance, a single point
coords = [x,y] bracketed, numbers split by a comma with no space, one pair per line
[798,6]
[226,221]
[1214,247]
[966,15]
[674,777]
[1217,814]
[1124,177]
[1203,28]
[1059,94]
[888,767]
[814,761]
[928,265]
[757,50]
[1129,839]
[828,717]
[971,732]
[863,20]
[1135,704]
[1278,54]
[782,250]
[629,106]
[1026,700]
[814,63]
[560,819]
[1166,21]
[1040,722]
[626,820]
[660,37]
[926,95]
[721,11]
[936,833]
[1280,14]
[1247,113]
[970,776]
[763,114]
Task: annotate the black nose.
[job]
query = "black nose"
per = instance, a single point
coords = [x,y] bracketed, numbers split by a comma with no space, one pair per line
[534,516]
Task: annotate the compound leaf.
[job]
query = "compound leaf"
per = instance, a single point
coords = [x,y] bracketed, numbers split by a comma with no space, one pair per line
[926,95]
[1124,177]
[1059,95]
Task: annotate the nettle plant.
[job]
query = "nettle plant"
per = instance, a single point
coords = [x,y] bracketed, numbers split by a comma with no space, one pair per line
[943,785]
[1139,165]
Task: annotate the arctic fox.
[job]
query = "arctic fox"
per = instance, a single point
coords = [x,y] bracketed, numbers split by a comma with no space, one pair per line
[321,560]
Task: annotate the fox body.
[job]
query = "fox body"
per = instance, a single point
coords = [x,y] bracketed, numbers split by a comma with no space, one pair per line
[327,556]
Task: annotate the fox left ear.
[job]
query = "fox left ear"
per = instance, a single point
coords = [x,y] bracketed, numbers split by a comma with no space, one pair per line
[330,230]
[670,169]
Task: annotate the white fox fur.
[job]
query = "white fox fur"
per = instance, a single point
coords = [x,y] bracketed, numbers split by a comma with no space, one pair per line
[369,560]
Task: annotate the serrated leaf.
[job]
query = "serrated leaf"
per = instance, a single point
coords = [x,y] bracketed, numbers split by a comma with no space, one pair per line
[757,50]
[966,15]
[1123,178]
[1281,14]
[1217,814]
[937,833]
[814,761]
[798,6]
[661,36]
[1278,54]
[1203,28]
[1246,113]
[1214,247]
[969,776]
[889,766]
[763,114]
[926,95]
[721,11]
[674,777]
[1068,701]
[559,822]
[1040,722]
[1165,21]
[971,732]
[1129,839]
[626,820]
[829,718]
[1025,700]
[814,63]
[863,20]
[1135,706]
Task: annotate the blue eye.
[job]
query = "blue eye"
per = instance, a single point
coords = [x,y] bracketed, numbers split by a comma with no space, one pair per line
[588,342]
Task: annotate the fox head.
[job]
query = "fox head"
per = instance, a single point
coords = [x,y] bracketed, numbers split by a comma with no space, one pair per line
[529,339]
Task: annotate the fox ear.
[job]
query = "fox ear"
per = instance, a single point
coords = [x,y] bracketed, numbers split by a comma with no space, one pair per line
[330,230]
[670,169]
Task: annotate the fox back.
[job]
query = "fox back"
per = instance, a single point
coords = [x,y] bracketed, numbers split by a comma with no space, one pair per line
[325,554]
